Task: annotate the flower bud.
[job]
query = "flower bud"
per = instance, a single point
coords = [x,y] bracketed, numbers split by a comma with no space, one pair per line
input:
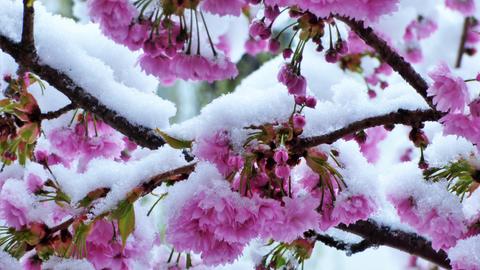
[311,102]
[298,122]
[287,53]
[273,45]
[331,56]
[281,155]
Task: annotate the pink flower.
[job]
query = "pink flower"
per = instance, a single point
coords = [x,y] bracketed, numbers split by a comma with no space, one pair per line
[299,216]
[445,231]
[14,206]
[217,223]
[105,249]
[216,149]
[370,147]
[369,10]
[475,108]
[299,121]
[281,155]
[296,84]
[223,7]
[34,183]
[413,53]
[199,68]
[137,35]
[461,125]
[350,209]
[260,30]
[114,17]
[449,92]
[356,44]
[420,29]
[254,47]
[466,7]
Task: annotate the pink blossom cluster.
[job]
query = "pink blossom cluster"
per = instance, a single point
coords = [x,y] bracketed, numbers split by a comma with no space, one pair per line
[359,9]
[224,7]
[450,94]
[167,47]
[217,150]
[345,207]
[466,7]
[444,228]
[417,30]
[218,223]
[84,142]
[105,250]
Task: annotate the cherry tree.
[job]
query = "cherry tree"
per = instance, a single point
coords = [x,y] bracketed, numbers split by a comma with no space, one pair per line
[366,122]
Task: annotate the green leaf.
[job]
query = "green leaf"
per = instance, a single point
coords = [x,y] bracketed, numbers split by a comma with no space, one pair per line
[174,143]
[126,223]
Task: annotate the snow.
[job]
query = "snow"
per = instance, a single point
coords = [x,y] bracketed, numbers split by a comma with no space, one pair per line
[120,177]
[57,263]
[7,262]
[466,250]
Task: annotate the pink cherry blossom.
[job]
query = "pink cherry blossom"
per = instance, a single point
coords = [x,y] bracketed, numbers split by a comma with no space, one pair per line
[359,9]
[114,17]
[449,92]
[466,7]
[217,224]
[350,209]
[296,84]
[462,125]
[223,7]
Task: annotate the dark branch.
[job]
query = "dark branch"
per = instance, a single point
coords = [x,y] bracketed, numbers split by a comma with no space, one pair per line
[141,135]
[412,118]
[55,114]
[463,40]
[407,242]
[27,31]
[349,248]
[390,56]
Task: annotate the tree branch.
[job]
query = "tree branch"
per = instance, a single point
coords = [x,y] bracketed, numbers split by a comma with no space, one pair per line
[407,242]
[28,42]
[141,135]
[463,40]
[349,248]
[390,56]
[412,118]
[55,114]
[146,188]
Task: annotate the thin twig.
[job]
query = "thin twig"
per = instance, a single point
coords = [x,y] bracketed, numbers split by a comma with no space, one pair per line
[463,40]
[349,248]
[412,118]
[55,114]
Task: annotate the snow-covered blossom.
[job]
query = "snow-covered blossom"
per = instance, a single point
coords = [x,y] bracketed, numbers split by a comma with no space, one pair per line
[464,256]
